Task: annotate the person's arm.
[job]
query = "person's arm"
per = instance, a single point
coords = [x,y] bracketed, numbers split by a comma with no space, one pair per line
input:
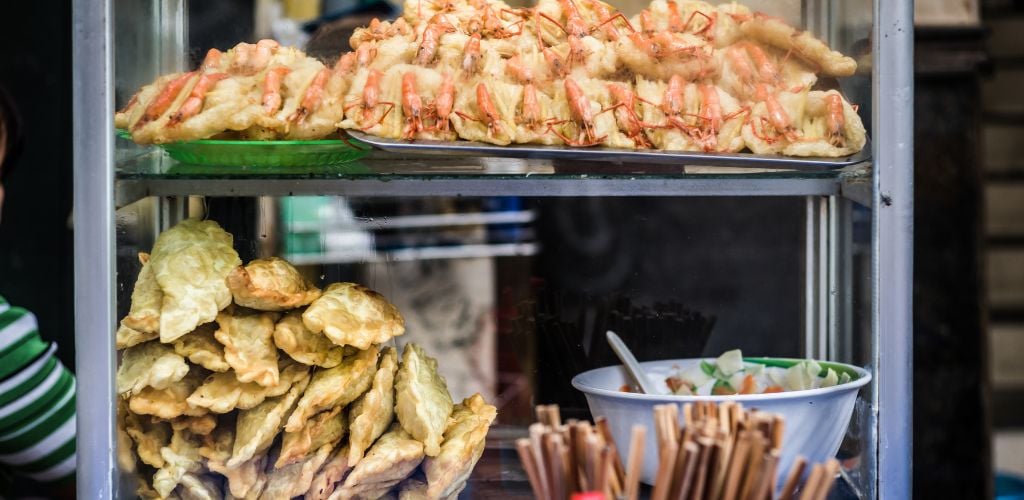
[37,405]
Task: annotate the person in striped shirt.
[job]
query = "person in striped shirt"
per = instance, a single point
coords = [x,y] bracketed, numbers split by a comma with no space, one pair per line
[37,393]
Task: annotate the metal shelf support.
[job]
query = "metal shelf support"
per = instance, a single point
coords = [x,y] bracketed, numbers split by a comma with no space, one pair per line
[95,269]
[893,228]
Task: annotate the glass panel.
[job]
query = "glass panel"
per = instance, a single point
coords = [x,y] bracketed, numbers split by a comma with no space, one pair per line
[513,295]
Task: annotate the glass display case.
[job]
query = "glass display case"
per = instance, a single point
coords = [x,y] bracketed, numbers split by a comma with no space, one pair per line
[510,269]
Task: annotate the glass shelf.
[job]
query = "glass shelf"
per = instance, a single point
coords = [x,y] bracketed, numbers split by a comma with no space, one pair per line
[143,172]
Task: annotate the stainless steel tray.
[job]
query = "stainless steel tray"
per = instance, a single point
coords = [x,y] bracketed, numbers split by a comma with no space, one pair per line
[610,155]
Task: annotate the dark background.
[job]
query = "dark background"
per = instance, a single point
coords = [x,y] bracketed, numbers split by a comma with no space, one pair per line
[36,256]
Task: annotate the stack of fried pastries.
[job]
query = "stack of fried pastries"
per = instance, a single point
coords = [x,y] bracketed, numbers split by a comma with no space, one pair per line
[250,382]
[681,75]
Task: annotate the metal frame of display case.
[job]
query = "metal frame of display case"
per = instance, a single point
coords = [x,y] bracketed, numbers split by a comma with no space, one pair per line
[889,190]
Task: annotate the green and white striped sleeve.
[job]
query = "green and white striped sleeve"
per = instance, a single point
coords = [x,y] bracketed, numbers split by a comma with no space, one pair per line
[37,401]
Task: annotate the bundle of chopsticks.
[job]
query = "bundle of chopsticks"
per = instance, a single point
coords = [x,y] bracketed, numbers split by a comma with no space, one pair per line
[561,459]
[723,452]
[720,452]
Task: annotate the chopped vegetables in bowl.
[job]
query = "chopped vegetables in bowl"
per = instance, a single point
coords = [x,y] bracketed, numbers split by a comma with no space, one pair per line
[732,374]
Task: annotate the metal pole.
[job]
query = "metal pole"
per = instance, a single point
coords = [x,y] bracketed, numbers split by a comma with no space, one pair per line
[93,112]
[893,125]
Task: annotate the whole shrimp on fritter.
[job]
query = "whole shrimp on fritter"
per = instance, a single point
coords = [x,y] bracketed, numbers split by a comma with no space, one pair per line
[412,106]
[431,38]
[625,114]
[582,115]
[530,112]
[487,115]
[370,100]
[444,102]
[576,27]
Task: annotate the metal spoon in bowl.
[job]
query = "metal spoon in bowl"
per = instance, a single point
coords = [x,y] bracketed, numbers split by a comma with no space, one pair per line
[630,363]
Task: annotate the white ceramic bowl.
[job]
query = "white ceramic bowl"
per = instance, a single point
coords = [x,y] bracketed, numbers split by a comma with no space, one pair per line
[816,419]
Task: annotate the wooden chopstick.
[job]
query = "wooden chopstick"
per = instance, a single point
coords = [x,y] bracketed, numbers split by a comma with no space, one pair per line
[537,448]
[766,474]
[701,473]
[737,466]
[577,455]
[663,481]
[620,471]
[691,455]
[530,466]
[553,465]
[718,464]
[810,489]
[605,471]
[753,466]
[678,468]
[726,442]
[796,471]
[635,462]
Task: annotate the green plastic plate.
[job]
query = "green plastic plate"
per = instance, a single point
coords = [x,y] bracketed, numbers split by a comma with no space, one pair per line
[238,153]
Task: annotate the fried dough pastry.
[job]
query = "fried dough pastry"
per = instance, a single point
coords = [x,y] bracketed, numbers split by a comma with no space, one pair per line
[351,314]
[329,476]
[390,460]
[191,261]
[128,337]
[125,446]
[243,481]
[202,348]
[422,400]
[216,446]
[199,426]
[151,364]
[373,412]
[246,480]
[199,487]
[270,284]
[256,428]
[249,346]
[336,386]
[171,402]
[295,479]
[462,447]
[143,320]
[416,489]
[149,437]
[180,457]
[325,428]
[145,490]
[304,346]
[223,392]
[776,32]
